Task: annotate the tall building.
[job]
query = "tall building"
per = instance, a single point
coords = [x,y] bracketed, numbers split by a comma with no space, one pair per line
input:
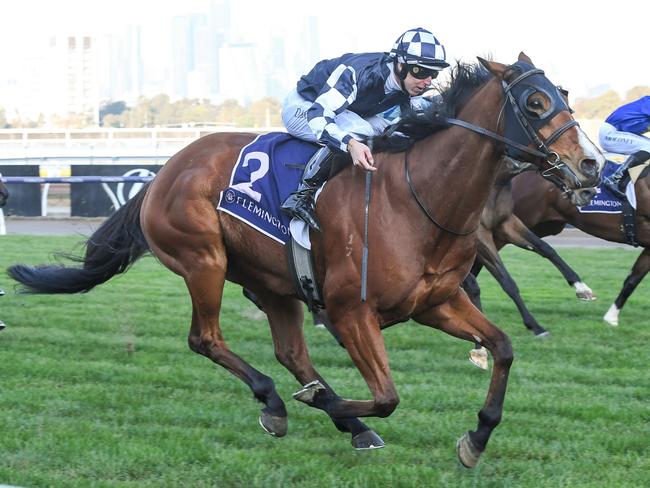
[124,79]
[81,85]
[194,56]
[240,76]
[60,78]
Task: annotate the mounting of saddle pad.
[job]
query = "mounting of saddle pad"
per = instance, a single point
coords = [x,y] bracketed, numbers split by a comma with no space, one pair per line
[268,170]
[604,201]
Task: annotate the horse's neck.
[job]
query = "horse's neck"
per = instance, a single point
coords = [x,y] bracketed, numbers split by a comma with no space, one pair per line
[465,162]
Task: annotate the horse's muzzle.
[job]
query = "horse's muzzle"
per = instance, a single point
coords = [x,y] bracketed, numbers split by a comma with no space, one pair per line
[591,170]
[582,196]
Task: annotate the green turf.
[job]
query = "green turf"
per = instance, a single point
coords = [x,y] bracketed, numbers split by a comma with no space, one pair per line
[101,389]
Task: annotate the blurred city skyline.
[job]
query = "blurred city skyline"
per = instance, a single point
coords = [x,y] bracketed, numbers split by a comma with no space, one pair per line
[68,56]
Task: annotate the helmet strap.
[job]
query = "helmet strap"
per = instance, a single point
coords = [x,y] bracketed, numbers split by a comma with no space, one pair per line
[401,74]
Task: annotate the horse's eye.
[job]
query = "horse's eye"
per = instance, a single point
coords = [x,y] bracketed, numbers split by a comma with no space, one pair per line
[535,104]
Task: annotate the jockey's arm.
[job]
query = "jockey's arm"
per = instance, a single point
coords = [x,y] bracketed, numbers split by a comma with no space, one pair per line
[337,95]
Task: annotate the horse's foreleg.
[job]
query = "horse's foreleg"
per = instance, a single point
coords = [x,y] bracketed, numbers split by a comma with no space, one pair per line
[285,316]
[638,272]
[489,256]
[360,333]
[458,317]
[515,232]
[205,282]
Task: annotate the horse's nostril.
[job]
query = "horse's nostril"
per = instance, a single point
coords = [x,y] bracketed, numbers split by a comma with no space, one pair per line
[589,166]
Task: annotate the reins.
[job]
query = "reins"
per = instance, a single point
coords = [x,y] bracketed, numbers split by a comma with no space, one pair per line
[421,204]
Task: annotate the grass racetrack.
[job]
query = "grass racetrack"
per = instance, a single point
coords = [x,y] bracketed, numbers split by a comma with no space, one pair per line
[101,389]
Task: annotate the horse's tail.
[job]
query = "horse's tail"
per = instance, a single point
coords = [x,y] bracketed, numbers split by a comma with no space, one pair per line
[111,250]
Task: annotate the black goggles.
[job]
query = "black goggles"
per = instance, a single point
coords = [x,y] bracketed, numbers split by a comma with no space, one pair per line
[420,72]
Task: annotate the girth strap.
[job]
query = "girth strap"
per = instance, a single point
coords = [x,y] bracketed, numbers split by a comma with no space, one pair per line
[629,224]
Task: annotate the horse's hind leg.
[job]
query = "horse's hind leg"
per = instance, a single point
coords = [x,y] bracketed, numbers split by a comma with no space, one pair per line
[205,282]
[489,256]
[473,290]
[458,317]
[638,272]
[515,232]
[285,316]
[2,324]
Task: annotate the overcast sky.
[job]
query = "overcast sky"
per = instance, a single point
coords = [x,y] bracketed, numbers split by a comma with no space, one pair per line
[580,45]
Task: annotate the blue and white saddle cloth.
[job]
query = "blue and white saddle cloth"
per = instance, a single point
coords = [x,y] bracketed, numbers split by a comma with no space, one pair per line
[268,170]
[605,201]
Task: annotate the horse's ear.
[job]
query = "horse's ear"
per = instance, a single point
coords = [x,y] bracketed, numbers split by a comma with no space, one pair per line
[524,58]
[497,69]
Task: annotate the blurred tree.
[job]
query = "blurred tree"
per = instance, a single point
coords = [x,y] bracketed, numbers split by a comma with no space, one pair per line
[599,107]
[110,108]
[230,113]
[637,92]
[69,121]
[266,113]
[194,111]
[160,111]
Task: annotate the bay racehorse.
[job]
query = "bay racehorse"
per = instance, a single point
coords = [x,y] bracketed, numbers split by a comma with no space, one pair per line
[499,226]
[425,208]
[553,211]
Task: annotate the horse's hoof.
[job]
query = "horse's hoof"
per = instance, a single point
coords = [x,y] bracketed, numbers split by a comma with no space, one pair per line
[583,292]
[2,292]
[611,317]
[468,454]
[368,439]
[2,325]
[542,334]
[309,391]
[587,298]
[479,357]
[276,426]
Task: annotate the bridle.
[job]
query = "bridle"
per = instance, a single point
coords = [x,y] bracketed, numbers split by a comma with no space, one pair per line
[520,135]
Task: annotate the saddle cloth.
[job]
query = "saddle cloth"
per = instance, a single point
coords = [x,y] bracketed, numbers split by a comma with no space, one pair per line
[605,201]
[268,170]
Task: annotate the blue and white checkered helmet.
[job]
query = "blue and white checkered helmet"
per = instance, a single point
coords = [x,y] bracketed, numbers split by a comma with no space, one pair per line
[419,46]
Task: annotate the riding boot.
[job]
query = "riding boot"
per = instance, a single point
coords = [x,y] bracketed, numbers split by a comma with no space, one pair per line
[613,182]
[300,203]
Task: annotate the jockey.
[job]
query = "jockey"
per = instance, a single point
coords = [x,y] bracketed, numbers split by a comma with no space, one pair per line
[621,134]
[345,100]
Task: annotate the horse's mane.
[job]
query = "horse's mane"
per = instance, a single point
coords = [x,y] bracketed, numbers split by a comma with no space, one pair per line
[415,125]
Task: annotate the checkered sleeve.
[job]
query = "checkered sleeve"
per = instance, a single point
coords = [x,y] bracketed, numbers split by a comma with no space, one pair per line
[339,92]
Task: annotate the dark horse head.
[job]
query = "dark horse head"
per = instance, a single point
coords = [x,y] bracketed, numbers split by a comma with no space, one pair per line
[536,115]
